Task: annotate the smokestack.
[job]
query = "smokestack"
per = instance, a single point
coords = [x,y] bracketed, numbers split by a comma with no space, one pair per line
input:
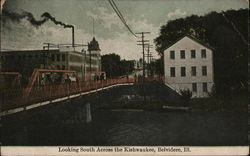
[73,36]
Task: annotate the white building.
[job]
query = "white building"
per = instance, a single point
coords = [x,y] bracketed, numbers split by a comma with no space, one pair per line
[188,64]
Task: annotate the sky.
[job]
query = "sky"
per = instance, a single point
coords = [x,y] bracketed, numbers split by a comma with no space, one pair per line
[109,31]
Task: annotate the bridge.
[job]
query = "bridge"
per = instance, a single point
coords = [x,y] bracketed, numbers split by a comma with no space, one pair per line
[86,113]
[37,93]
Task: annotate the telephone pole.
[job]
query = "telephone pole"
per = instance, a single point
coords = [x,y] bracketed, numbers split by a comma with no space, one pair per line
[143,46]
[149,53]
[148,56]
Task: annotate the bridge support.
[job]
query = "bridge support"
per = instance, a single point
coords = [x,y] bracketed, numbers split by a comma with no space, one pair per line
[88,113]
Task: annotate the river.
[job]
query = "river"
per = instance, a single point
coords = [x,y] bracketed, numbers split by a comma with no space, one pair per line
[137,128]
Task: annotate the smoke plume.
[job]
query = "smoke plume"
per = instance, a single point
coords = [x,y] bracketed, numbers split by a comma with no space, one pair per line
[47,16]
[17,17]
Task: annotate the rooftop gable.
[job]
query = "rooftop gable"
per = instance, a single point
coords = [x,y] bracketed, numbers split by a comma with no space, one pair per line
[192,38]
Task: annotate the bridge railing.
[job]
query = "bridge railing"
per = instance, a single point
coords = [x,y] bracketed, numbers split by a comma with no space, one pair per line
[11,98]
[15,97]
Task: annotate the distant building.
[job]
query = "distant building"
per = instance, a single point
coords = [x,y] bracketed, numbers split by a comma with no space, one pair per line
[93,59]
[95,52]
[138,64]
[27,60]
[188,64]
[61,58]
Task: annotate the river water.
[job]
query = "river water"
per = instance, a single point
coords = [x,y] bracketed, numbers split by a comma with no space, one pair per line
[138,128]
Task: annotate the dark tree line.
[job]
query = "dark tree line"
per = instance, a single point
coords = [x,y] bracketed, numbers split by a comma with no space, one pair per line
[218,30]
[157,67]
[115,67]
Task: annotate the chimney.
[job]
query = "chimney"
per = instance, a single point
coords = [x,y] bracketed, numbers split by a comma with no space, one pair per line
[73,36]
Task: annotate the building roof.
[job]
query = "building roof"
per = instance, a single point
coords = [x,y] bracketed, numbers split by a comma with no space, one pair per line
[194,39]
[31,51]
[37,51]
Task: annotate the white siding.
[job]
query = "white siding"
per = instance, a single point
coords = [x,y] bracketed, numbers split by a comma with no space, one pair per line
[179,82]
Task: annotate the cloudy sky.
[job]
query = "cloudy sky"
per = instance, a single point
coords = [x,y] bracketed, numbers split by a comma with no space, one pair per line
[112,35]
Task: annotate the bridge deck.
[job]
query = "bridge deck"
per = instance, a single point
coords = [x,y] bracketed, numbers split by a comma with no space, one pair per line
[17,100]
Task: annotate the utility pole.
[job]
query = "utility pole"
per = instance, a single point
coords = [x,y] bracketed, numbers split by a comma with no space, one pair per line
[149,53]
[143,59]
[149,63]
[46,55]
[151,57]
[143,46]
[148,56]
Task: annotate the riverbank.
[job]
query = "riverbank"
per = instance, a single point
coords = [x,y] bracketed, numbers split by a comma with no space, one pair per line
[236,103]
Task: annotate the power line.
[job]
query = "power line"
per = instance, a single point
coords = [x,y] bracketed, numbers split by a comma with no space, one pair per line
[119,14]
[124,21]
[114,6]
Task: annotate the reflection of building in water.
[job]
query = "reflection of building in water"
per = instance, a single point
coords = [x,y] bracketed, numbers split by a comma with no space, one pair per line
[61,58]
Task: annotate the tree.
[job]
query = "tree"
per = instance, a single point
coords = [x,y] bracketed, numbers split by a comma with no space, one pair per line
[115,67]
[110,62]
[217,30]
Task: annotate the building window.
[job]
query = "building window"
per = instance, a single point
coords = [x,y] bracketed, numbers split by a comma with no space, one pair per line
[204,70]
[172,56]
[58,57]
[63,57]
[204,86]
[193,71]
[192,53]
[203,53]
[182,54]
[172,71]
[194,87]
[183,71]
